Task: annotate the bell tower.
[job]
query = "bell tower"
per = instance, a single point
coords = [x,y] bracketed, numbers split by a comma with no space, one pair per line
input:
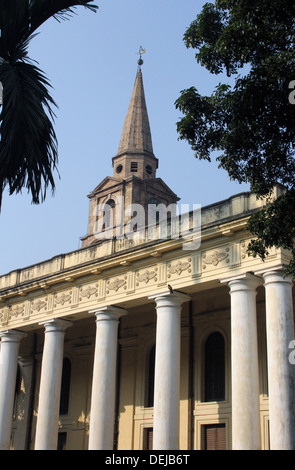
[134,179]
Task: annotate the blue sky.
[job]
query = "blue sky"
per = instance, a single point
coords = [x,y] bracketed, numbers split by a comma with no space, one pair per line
[91,62]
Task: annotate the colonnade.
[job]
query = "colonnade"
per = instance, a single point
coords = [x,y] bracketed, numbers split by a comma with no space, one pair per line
[246,432]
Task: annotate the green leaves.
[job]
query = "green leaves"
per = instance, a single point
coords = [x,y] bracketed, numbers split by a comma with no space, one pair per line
[205,120]
[266,225]
[28,144]
[252,123]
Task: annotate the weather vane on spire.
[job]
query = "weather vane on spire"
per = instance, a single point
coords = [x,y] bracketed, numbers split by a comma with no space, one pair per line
[140,52]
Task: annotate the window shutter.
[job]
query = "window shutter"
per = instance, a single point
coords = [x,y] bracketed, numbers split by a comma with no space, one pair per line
[215,437]
[65,387]
[62,441]
[148,439]
[215,368]
[150,377]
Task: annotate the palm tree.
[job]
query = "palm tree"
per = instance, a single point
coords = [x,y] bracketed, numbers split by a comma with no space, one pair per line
[28,144]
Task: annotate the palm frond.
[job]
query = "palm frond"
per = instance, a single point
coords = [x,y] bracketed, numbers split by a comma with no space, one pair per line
[42,10]
[28,144]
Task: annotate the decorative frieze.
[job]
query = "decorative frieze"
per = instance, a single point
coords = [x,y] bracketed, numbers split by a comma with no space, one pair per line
[116,284]
[162,274]
[16,310]
[244,249]
[184,269]
[235,255]
[39,305]
[89,291]
[62,299]
[179,267]
[146,276]
[131,282]
[4,316]
[196,265]
[215,257]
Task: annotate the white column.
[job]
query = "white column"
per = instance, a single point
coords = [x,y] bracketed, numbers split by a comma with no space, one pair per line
[279,333]
[102,413]
[50,385]
[167,371]
[10,341]
[244,364]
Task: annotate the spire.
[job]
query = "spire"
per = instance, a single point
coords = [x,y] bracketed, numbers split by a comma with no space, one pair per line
[134,178]
[136,135]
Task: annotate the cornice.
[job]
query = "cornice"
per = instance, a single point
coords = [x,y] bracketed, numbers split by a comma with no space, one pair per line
[131,278]
[133,254]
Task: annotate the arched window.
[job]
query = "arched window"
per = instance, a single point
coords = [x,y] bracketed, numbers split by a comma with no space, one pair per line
[150,377]
[153,213]
[214,367]
[108,217]
[65,387]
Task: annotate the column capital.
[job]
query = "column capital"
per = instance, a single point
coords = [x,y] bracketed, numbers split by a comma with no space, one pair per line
[170,298]
[108,313]
[279,268]
[56,324]
[12,336]
[246,281]
[275,276]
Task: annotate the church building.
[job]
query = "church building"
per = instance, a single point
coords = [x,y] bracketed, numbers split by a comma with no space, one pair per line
[159,333]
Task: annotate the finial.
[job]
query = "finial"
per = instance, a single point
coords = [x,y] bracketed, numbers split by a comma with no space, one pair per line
[140,52]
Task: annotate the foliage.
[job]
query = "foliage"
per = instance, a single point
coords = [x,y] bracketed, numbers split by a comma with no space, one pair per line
[251,123]
[28,144]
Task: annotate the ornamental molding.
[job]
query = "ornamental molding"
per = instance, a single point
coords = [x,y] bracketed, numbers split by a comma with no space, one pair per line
[16,310]
[39,305]
[179,267]
[215,258]
[4,315]
[116,284]
[146,276]
[62,298]
[87,292]
[133,282]
[244,249]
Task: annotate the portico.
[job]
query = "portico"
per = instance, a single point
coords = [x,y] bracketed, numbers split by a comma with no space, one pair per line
[244,404]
